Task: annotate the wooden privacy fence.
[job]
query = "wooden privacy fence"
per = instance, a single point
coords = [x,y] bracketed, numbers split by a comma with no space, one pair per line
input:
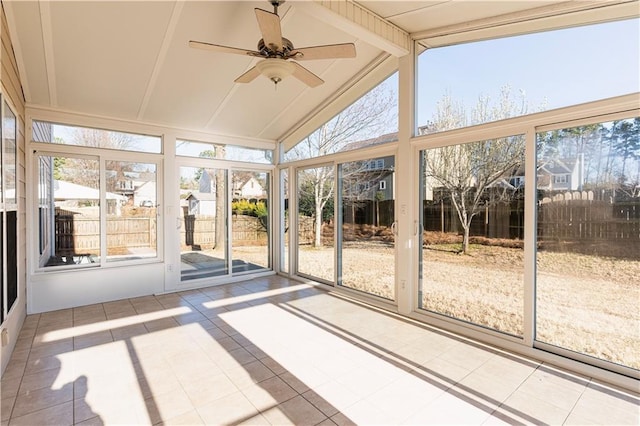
[571,216]
[201,231]
[503,220]
[77,234]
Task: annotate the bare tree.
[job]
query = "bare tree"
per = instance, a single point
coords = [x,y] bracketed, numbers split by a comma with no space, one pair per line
[474,175]
[373,114]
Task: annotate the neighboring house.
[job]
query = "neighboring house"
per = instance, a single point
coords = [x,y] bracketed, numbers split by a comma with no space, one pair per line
[555,175]
[372,180]
[249,188]
[145,195]
[207,182]
[561,174]
[200,203]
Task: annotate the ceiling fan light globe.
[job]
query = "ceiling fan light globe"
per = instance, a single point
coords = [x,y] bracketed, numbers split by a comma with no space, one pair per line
[275,69]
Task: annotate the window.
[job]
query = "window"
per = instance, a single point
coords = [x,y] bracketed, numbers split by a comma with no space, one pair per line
[371,120]
[95,207]
[8,211]
[131,204]
[469,207]
[62,134]
[382,185]
[69,210]
[518,75]
[588,262]
[223,152]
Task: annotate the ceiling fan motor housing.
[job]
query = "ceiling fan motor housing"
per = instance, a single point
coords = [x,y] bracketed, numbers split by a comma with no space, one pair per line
[287,47]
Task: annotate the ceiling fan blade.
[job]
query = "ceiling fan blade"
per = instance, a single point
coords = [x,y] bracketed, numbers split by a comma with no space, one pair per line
[329,51]
[306,76]
[222,49]
[248,76]
[269,24]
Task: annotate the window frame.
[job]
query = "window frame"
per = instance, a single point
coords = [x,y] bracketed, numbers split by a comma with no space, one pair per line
[103,155]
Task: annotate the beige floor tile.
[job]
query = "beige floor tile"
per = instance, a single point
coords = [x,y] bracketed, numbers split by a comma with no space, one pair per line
[552,391]
[597,405]
[528,409]
[406,396]
[341,420]
[128,331]
[249,374]
[208,389]
[234,355]
[9,387]
[293,381]
[94,421]
[453,408]
[269,393]
[6,407]
[320,403]
[187,419]
[61,414]
[296,411]
[161,324]
[494,390]
[336,395]
[57,347]
[364,413]
[39,364]
[257,420]
[32,382]
[273,365]
[232,409]
[168,405]
[41,398]
[92,339]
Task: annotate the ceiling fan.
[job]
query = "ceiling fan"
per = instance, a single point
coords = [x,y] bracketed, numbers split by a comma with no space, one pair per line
[277,50]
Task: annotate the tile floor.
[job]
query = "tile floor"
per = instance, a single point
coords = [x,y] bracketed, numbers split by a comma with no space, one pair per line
[274,351]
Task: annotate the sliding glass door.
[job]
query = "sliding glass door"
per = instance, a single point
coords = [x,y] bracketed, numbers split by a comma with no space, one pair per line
[366,254]
[224,222]
[588,257]
[315,251]
[203,232]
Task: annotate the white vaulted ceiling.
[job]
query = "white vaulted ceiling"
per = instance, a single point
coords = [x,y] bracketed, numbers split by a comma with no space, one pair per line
[130,60]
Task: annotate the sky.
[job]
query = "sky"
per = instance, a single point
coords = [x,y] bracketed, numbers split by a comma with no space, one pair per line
[565,67]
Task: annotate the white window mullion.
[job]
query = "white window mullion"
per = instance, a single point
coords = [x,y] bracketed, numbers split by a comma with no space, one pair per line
[103,212]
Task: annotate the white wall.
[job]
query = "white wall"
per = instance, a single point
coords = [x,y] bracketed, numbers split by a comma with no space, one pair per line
[65,289]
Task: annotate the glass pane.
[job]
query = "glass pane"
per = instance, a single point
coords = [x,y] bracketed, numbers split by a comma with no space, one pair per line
[316,188]
[9,158]
[512,75]
[284,220]
[131,210]
[588,238]
[472,249]
[95,138]
[371,120]
[203,236]
[223,152]
[367,255]
[69,211]
[250,221]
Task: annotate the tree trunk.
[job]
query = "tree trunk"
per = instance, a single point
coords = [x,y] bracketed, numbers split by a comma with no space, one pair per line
[465,238]
[318,226]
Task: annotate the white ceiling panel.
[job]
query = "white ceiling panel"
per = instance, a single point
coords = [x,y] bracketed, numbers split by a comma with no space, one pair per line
[26,16]
[131,60]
